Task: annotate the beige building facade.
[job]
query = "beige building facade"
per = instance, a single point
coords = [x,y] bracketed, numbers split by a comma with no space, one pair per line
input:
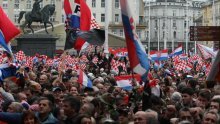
[208,11]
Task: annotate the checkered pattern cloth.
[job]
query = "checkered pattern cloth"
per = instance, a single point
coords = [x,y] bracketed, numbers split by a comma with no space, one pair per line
[20,56]
[94,24]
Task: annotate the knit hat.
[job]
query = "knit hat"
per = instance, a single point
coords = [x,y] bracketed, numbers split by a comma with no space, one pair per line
[25,105]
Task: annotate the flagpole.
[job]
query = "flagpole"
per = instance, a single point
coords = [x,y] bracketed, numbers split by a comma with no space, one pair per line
[195,43]
[149,28]
[165,35]
[106,29]
[187,23]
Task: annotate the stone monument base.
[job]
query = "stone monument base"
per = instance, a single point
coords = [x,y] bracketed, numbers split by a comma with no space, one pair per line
[37,43]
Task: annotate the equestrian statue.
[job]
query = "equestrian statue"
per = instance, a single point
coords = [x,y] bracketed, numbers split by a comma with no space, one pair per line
[37,15]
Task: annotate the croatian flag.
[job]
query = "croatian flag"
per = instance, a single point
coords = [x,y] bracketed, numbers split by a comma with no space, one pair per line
[159,55]
[136,52]
[84,80]
[125,81]
[177,51]
[183,56]
[153,55]
[7,31]
[163,55]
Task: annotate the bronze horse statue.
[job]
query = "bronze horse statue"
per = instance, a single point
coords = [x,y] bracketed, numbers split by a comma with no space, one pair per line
[42,17]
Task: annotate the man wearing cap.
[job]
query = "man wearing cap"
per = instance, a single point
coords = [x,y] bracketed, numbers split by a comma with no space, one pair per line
[57,91]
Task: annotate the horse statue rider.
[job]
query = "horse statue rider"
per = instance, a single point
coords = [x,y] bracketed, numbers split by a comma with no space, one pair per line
[36,9]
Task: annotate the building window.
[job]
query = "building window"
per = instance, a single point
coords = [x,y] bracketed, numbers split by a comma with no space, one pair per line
[185,12]
[116,3]
[156,24]
[5,5]
[94,15]
[63,18]
[174,23]
[103,3]
[147,34]
[102,17]
[114,31]
[16,5]
[52,2]
[16,16]
[164,12]
[163,34]
[121,32]
[174,34]
[28,4]
[164,24]
[174,12]
[155,33]
[93,3]
[41,5]
[139,33]
[184,34]
[52,18]
[116,17]
[184,24]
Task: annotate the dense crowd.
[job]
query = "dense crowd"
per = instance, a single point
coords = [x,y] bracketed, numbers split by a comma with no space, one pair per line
[46,94]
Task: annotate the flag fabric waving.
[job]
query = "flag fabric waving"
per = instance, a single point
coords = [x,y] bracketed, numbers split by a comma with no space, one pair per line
[159,55]
[214,74]
[177,51]
[84,80]
[206,51]
[5,34]
[80,21]
[136,52]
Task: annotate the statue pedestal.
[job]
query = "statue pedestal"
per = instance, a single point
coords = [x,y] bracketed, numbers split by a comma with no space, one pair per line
[37,43]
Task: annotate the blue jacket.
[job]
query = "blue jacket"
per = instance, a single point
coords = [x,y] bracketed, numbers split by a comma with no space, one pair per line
[50,120]
[16,118]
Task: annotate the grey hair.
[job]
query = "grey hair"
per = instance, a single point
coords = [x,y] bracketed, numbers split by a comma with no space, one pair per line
[212,112]
[150,110]
[17,106]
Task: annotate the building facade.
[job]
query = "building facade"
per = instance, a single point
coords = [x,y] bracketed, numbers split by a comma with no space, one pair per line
[170,21]
[211,17]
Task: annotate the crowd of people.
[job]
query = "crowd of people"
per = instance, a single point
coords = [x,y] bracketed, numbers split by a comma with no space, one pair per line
[53,95]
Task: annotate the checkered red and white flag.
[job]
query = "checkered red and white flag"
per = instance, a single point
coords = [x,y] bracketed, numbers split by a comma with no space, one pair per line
[20,56]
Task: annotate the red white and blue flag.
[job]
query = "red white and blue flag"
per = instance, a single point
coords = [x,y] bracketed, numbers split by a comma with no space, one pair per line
[177,51]
[159,55]
[125,81]
[136,52]
[206,51]
[7,31]
[80,19]
[84,80]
